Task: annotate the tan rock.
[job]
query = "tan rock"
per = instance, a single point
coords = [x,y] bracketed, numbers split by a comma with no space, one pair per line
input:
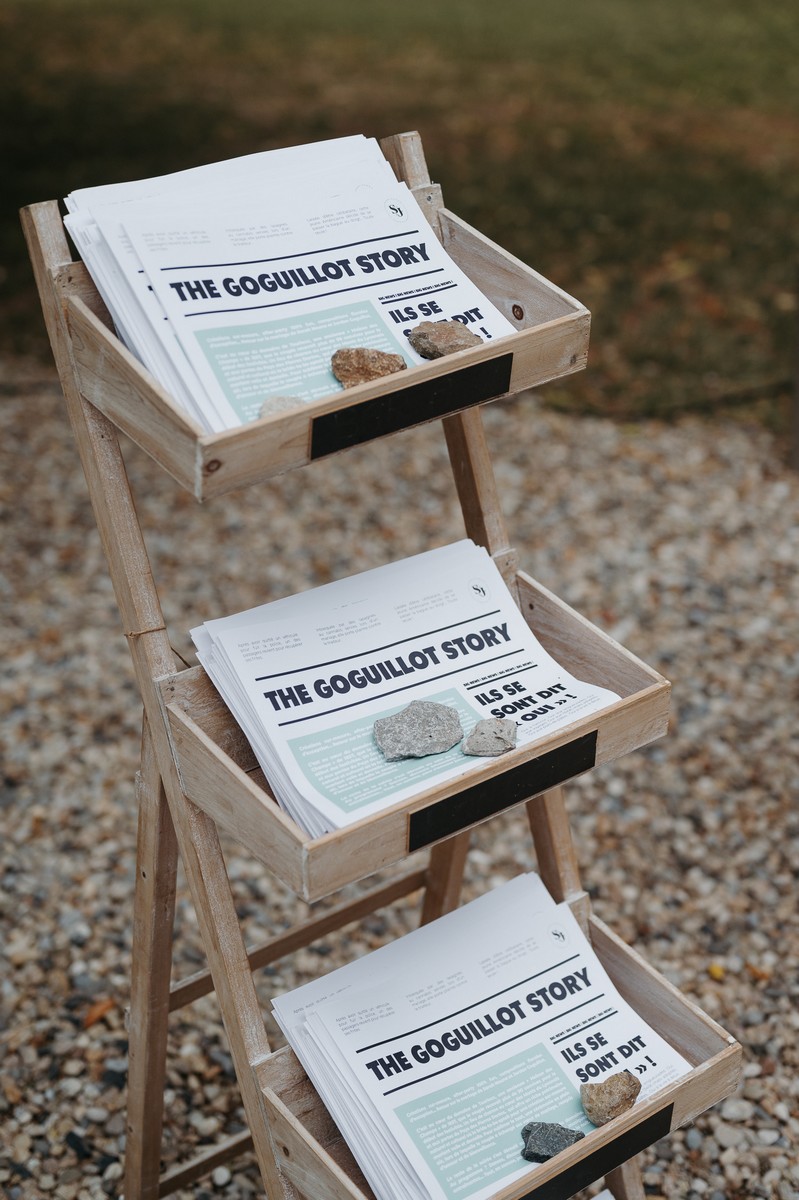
[352,366]
[610,1097]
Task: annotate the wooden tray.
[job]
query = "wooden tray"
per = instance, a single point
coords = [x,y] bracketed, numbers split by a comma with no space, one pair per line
[552,341]
[315,1158]
[219,773]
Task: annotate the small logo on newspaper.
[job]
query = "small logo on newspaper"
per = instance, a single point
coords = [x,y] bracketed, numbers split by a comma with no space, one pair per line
[395,210]
[558,934]
[479,589]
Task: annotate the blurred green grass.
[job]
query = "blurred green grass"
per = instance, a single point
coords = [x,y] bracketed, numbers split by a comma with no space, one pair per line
[645,157]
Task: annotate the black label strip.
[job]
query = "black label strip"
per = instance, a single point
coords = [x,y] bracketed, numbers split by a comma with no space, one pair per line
[491,796]
[426,401]
[607,1158]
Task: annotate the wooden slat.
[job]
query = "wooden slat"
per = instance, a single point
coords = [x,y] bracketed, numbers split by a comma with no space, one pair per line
[681,1022]
[585,650]
[626,1182]
[555,853]
[245,811]
[151,956]
[117,384]
[187,1173]
[506,279]
[277,947]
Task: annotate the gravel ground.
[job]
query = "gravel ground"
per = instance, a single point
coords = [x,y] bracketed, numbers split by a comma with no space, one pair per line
[681,541]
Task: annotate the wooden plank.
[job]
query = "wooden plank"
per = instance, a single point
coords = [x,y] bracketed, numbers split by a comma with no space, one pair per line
[507,280]
[185,1174]
[75,280]
[632,722]
[444,877]
[555,853]
[193,693]
[662,1005]
[277,947]
[550,351]
[151,967]
[585,650]
[626,1182]
[310,1165]
[405,155]
[226,793]
[117,384]
[473,472]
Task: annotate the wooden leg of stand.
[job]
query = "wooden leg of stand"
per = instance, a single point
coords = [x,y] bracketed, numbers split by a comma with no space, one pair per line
[153,919]
[554,849]
[204,864]
[625,1182]
[445,877]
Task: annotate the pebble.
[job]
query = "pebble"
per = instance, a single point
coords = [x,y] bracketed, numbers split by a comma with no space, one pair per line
[729,1136]
[737,1109]
[680,844]
[693,1138]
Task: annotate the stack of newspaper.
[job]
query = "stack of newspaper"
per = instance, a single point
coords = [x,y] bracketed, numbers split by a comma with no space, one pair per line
[307,676]
[435,1051]
[235,283]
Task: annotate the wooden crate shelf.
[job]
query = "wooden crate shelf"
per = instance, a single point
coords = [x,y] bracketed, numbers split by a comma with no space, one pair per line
[219,773]
[310,1145]
[551,341]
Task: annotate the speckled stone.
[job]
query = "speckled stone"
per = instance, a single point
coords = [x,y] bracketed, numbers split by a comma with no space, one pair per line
[420,729]
[490,737]
[543,1140]
[609,1097]
[352,366]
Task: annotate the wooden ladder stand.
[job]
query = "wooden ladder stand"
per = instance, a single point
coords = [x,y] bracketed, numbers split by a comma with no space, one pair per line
[169,823]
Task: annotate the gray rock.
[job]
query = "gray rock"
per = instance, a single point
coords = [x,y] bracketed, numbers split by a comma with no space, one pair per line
[352,366]
[490,737]
[610,1097]
[420,729]
[435,339]
[543,1141]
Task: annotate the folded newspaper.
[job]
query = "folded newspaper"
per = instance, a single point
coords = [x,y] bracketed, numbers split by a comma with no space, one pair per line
[306,677]
[235,283]
[435,1051]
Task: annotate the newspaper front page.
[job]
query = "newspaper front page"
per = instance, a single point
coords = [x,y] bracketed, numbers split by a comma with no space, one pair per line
[236,282]
[434,1052]
[307,679]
